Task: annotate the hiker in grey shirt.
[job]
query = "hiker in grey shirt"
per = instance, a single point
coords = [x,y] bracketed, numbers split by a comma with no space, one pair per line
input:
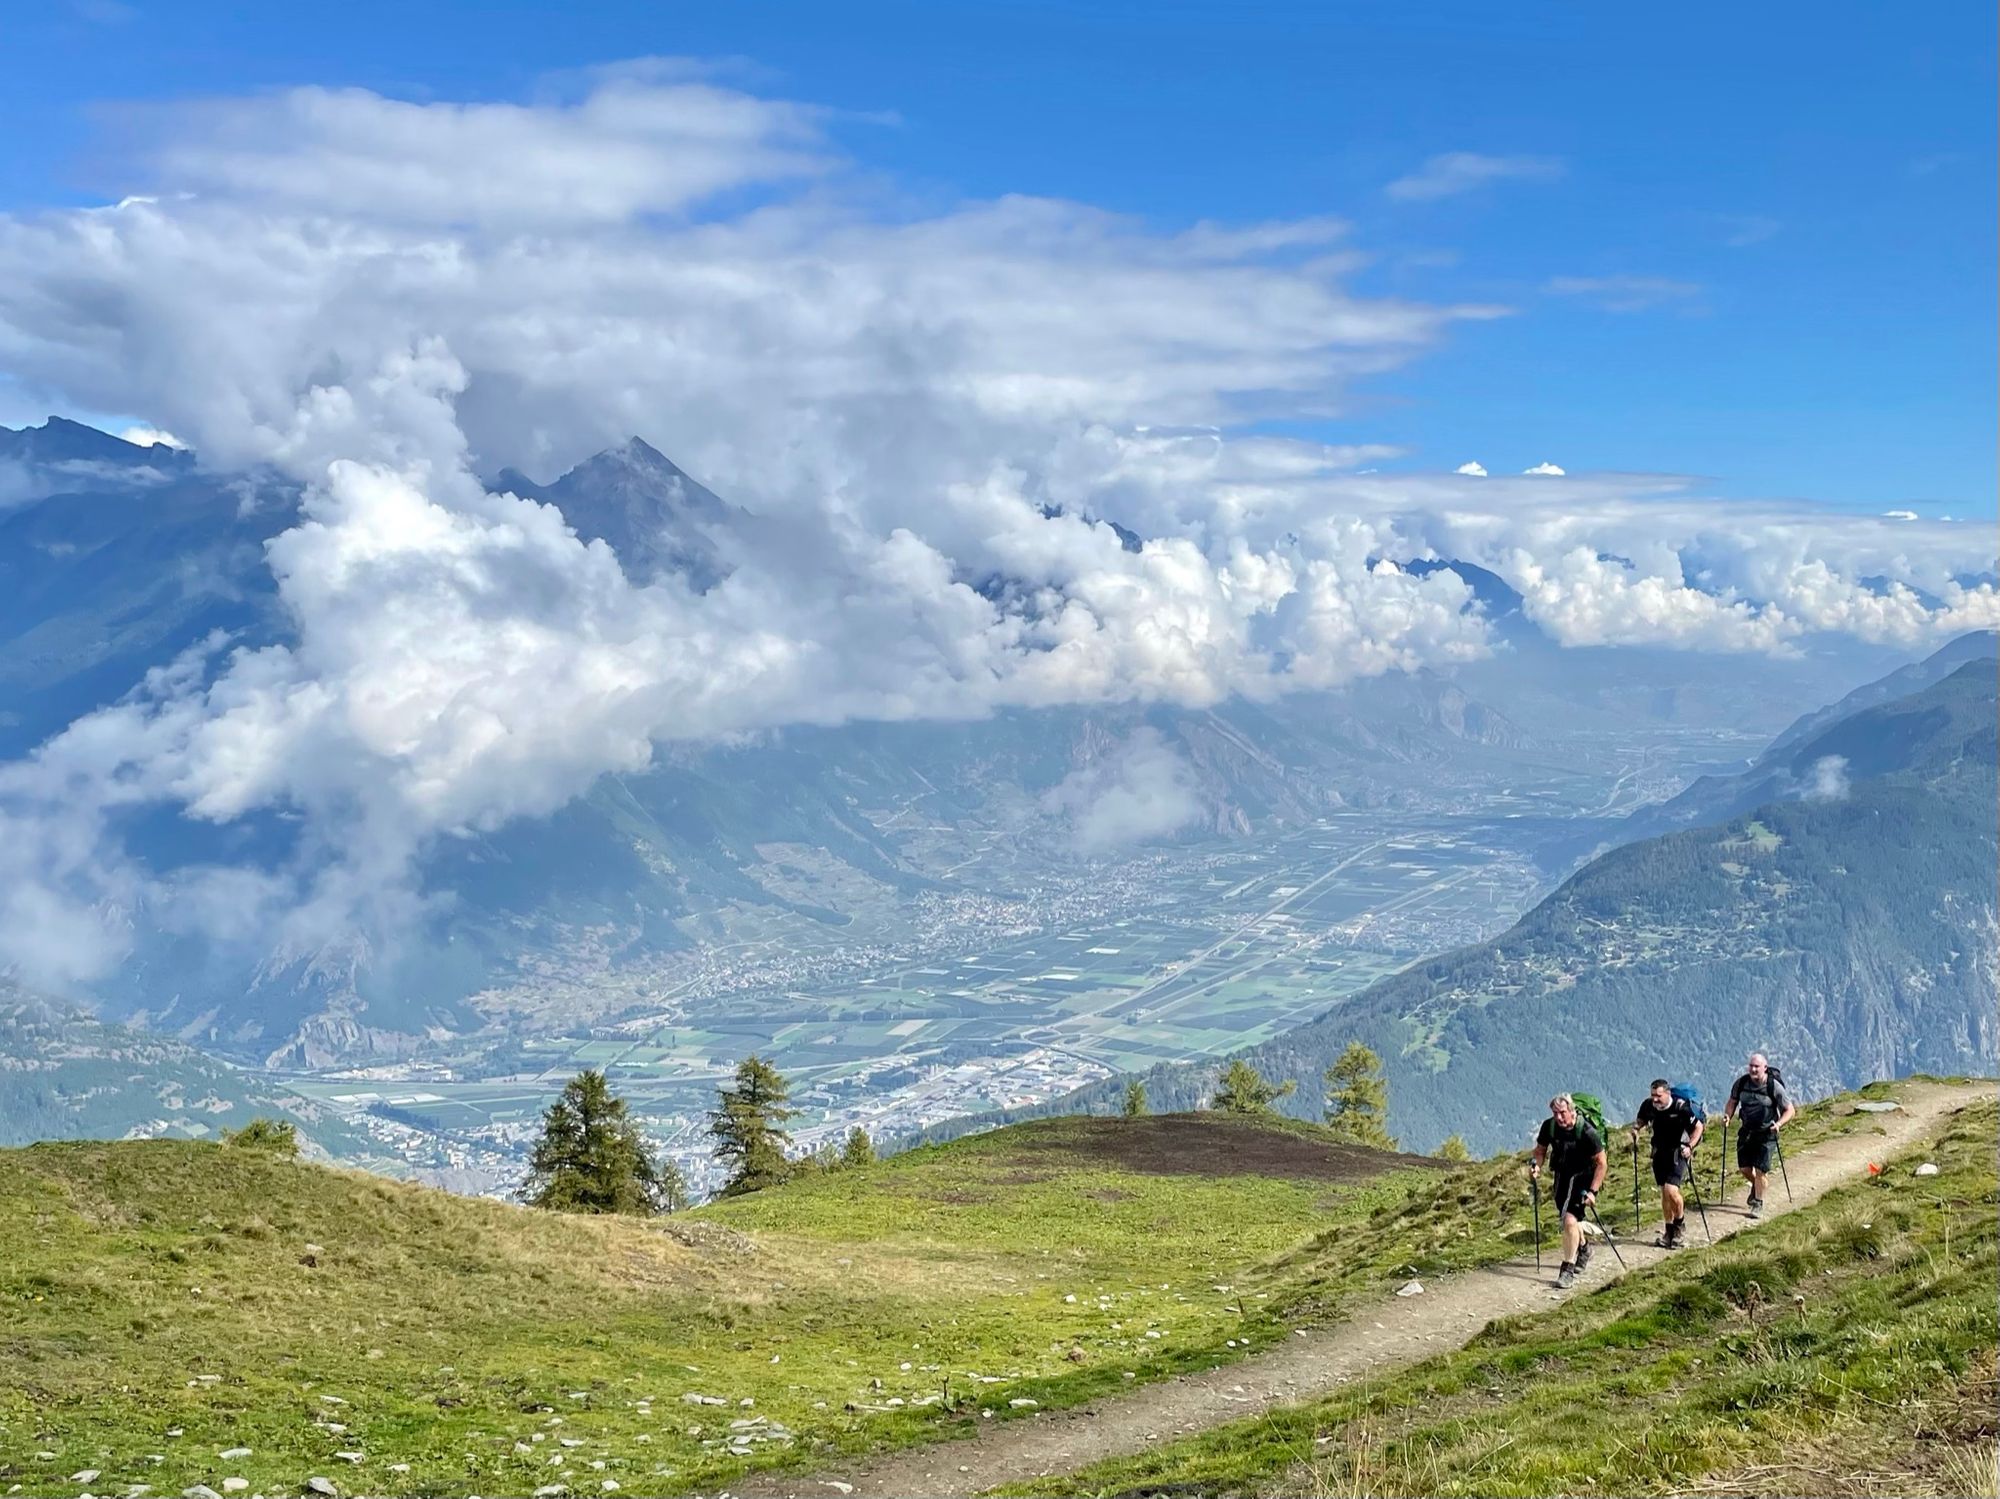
[1761,1106]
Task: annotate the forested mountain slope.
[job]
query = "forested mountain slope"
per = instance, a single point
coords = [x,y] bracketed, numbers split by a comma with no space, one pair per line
[1850,931]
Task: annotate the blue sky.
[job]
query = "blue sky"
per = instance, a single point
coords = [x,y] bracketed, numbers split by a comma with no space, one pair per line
[1777,222]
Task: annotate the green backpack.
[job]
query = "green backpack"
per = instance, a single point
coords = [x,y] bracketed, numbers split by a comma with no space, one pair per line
[1590,1109]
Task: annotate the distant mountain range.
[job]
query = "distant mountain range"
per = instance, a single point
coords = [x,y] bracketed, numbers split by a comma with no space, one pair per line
[1846,924]
[1788,766]
[64,1074]
[115,558]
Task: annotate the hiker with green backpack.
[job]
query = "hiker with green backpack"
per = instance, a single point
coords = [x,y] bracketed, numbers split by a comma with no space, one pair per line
[1676,1116]
[1574,1152]
[1761,1107]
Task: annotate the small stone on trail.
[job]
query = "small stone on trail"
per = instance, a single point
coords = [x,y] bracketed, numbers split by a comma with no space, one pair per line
[836,1485]
[1929,1168]
[1024,1405]
[1876,1106]
[1411,1288]
[323,1487]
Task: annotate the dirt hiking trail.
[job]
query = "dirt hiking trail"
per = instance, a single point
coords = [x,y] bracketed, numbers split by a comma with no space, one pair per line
[1385,1335]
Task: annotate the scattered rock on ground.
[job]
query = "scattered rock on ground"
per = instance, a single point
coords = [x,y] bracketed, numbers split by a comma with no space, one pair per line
[1410,1288]
[1929,1168]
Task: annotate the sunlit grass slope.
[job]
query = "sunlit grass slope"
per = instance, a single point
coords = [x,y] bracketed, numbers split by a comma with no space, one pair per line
[162,1303]
[1847,1348]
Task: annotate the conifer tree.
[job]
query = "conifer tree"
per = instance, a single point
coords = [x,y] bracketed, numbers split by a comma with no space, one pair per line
[860,1150]
[748,1126]
[1454,1149]
[1357,1098]
[1135,1099]
[591,1158]
[1243,1090]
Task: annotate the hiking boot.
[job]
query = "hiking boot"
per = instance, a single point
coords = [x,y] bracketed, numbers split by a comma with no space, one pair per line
[1582,1256]
[1677,1233]
[1665,1239]
[1756,1207]
[1566,1276]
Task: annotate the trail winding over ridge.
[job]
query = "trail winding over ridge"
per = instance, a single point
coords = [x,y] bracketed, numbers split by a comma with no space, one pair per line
[1385,1335]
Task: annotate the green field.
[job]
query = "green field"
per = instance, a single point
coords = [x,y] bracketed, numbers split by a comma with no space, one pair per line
[162,1306]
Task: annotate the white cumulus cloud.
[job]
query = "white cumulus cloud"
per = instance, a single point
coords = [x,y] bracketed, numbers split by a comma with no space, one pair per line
[1546,470]
[1475,470]
[930,416]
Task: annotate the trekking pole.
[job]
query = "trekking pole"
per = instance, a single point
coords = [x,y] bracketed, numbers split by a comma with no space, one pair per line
[1694,1182]
[1779,1146]
[1535,1192]
[1635,1184]
[1607,1235]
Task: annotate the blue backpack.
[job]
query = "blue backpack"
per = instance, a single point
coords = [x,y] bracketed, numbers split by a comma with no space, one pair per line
[1690,1095]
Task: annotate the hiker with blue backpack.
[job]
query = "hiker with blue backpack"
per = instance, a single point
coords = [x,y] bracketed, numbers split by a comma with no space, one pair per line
[1676,1115]
[1761,1107]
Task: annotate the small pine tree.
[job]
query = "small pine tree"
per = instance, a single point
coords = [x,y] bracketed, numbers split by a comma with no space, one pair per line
[278,1136]
[1135,1099]
[859,1150]
[1454,1150]
[748,1127]
[592,1159]
[1244,1091]
[1357,1098]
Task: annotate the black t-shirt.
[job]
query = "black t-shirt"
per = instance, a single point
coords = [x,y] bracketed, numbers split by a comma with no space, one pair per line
[1571,1150]
[1671,1125]
[1758,1106]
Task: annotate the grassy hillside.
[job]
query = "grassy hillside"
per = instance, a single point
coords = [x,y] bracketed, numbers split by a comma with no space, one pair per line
[168,1301]
[1847,1348]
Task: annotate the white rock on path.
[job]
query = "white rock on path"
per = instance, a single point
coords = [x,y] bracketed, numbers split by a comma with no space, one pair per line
[1876,1106]
[1929,1168]
[1411,1288]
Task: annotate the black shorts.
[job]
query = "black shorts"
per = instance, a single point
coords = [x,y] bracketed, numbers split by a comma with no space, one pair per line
[1569,1196]
[1753,1149]
[1671,1169]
